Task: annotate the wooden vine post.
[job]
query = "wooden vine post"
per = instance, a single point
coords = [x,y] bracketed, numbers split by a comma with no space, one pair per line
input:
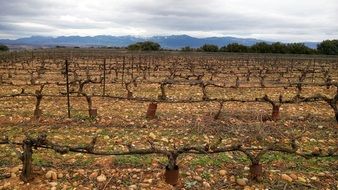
[123,68]
[104,78]
[67,86]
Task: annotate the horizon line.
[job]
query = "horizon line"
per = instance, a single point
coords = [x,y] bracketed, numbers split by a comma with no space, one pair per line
[144,37]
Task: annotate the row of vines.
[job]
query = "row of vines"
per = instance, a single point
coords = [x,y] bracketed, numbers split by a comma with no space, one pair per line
[155,79]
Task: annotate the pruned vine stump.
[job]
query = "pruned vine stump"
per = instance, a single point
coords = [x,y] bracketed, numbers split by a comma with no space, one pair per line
[37,114]
[26,158]
[256,172]
[275,113]
[92,113]
[151,112]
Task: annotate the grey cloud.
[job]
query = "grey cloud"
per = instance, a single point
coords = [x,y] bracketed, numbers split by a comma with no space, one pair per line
[285,20]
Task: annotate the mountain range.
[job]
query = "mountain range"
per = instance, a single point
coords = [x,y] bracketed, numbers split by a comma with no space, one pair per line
[169,42]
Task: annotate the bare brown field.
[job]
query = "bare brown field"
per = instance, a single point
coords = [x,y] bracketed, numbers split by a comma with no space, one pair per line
[228,121]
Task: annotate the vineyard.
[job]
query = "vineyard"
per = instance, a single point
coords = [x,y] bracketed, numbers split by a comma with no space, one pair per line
[107,119]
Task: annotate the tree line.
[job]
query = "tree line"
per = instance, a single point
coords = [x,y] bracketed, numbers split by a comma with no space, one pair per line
[328,47]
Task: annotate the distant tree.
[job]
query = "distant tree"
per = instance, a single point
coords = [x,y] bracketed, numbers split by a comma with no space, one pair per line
[209,48]
[261,47]
[187,48]
[3,48]
[279,47]
[292,48]
[150,46]
[234,47]
[134,47]
[145,46]
[329,47]
[299,48]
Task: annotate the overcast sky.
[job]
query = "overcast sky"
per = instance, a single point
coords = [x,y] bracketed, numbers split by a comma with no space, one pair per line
[278,20]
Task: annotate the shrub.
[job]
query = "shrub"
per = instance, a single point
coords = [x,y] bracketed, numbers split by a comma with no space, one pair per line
[235,47]
[209,48]
[3,48]
[329,47]
[144,46]
[187,48]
